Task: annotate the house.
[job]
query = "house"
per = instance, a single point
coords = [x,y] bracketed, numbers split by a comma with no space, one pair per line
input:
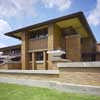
[67,38]
[13,51]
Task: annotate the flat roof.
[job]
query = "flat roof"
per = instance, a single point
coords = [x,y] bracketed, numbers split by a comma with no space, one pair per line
[80,15]
[8,47]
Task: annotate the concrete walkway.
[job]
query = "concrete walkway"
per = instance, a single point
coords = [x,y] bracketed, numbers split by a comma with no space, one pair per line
[73,88]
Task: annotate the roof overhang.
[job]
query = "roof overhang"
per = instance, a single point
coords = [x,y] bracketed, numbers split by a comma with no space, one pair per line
[10,47]
[75,24]
[76,20]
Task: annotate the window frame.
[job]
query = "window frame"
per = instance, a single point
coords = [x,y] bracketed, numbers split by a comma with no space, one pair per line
[39,34]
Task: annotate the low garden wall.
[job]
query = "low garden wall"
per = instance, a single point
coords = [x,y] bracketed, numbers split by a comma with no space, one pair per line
[11,66]
[3,66]
[75,77]
[85,73]
[65,87]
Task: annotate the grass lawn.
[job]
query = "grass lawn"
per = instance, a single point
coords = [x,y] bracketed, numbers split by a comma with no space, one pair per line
[18,92]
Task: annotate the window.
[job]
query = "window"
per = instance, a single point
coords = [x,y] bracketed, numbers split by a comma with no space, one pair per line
[33,35]
[16,59]
[82,40]
[69,31]
[39,56]
[6,52]
[30,56]
[43,34]
[39,34]
[93,57]
[15,51]
[12,51]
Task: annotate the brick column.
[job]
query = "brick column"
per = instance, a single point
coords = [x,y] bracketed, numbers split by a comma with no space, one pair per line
[50,43]
[73,47]
[50,36]
[54,40]
[24,51]
[33,61]
[54,37]
[45,60]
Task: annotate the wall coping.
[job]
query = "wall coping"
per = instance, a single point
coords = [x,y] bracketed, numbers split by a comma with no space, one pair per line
[65,87]
[49,72]
[78,64]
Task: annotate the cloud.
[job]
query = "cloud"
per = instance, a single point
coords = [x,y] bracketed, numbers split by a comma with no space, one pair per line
[2,45]
[94,16]
[10,8]
[4,27]
[14,8]
[5,40]
[60,4]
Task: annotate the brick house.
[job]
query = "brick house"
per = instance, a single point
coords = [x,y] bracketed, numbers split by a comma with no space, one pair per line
[70,34]
[13,51]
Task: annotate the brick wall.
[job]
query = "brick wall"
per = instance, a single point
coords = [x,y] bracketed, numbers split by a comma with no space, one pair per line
[38,44]
[73,47]
[3,66]
[14,66]
[88,45]
[98,52]
[11,66]
[39,66]
[98,47]
[86,76]
[98,56]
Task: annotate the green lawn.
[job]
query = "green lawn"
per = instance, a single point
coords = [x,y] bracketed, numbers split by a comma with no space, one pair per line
[18,92]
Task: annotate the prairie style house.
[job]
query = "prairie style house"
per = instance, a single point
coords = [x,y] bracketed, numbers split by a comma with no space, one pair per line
[13,51]
[67,38]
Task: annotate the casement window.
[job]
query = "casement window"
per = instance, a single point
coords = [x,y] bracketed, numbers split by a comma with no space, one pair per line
[39,56]
[30,56]
[16,59]
[82,40]
[69,31]
[6,52]
[15,51]
[12,51]
[39,34]
[1,60]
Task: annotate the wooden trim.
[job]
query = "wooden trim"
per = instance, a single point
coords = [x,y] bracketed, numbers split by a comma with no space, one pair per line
[33,61]
[37,50]
[45,60]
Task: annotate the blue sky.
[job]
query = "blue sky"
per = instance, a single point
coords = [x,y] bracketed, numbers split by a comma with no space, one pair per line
[15,14]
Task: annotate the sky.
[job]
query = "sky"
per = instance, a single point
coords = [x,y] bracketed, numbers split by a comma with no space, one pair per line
[15,14]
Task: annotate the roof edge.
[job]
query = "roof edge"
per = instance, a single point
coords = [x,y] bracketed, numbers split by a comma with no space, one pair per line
[43,23]
[79,14]
[18,45]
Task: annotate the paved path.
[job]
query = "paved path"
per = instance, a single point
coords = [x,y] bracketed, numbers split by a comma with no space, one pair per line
[73,88]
